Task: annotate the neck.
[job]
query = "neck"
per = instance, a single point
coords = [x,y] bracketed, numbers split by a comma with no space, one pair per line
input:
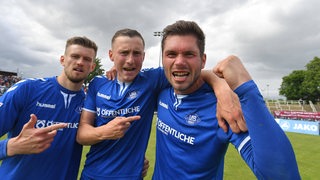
[66,83]
[194,87]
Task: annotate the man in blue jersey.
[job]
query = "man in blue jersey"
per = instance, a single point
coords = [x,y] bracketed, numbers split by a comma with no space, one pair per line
[117,115]
[41,118]
[190,144]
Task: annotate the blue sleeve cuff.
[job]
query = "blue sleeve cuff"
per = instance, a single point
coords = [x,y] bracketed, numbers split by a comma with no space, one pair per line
[245,87]
[3,148]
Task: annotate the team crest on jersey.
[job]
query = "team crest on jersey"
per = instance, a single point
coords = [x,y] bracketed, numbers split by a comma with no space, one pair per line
[133,95]
[78,109]
[192,119]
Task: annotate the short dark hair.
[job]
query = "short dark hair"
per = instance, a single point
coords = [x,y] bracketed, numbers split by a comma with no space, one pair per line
[127,32]
[182,27]
[82,41]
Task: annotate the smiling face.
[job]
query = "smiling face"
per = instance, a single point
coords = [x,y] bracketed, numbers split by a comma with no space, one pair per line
[78,62]
[127,54]
[182,63]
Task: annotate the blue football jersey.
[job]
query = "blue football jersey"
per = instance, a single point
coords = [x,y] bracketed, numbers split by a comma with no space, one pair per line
[190,144]
[52,104]
[122,158]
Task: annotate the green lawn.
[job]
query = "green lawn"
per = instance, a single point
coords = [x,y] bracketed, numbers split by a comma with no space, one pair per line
[306,147]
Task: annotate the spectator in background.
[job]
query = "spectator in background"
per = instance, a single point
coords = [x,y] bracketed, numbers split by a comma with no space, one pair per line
[6,82]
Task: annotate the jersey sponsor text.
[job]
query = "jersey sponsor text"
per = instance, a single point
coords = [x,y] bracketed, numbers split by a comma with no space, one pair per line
[167,130]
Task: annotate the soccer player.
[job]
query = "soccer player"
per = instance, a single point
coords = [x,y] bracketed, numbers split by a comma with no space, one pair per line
[189,143]
[41,118]
[117,115]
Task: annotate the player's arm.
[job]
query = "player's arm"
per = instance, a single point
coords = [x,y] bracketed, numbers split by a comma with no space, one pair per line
[267,150]
[228,104]
[30,140]
[88,134]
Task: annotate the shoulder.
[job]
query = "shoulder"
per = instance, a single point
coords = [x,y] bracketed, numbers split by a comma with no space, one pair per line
[155,76]
[99,80]
[151,70]
[27,83]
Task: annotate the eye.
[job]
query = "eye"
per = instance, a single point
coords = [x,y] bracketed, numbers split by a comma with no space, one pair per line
[189,54]
[137,53]
[88,59]
[171,54]
[124,53]
[75,56]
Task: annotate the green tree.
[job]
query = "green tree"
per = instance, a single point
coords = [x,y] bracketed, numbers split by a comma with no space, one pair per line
[303,83]
[97,71]
[311,83]
[291,85]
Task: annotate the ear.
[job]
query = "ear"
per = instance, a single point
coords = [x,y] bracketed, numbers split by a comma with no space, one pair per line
[204,60]
[93,66]
[62,60]
[143,56]
[111,55]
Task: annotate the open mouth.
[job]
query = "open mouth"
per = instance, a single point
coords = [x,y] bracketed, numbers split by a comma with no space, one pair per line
[78,69]
[129,69]
[180,74]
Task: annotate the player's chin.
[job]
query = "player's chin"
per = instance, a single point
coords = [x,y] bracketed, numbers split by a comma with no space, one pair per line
[178,87]
[77,79]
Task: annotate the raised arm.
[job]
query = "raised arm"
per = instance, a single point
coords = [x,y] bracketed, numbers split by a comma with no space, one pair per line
[266,150]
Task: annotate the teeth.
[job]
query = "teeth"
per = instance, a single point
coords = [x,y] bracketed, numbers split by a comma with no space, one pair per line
[180,74]
[78,70]
[129,69]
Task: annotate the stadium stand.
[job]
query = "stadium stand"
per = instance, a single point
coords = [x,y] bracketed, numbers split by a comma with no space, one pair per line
[7,79]
[294,109]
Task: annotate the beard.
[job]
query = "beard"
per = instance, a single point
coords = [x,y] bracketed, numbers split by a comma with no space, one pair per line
[74,78]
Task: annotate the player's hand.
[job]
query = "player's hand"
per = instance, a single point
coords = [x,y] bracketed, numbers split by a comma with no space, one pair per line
[229,108]
[117,128]
[111,73]
[232,70]
[229,112]
[33,140]
[145,167]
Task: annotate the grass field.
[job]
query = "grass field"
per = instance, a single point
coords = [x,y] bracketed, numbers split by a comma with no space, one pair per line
[306,147]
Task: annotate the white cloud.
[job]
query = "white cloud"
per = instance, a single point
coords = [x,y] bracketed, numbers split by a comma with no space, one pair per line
[272,37]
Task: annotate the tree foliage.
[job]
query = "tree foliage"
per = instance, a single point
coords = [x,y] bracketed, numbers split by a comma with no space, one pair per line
[98,70]
[291,85]
[303,84]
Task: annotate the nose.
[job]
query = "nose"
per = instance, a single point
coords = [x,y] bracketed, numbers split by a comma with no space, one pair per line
[130,58]
[179,60]
[80,61]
